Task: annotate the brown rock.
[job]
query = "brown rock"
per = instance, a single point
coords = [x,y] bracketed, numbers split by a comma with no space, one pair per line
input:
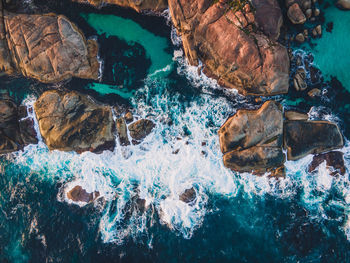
[295,14]
[317,12]
[333,159]
[78,194]
[295,116]
[308,13]
[122,132]
[343,4]
[47,47]
[128,117]
[140,129]
[188,196]
[239,57]
[252,139]
[300,38]
[70,121]
[314,93]
[310,137]
[299,80]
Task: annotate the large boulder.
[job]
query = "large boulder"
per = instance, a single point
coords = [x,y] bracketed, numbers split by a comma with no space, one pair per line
[140,129]
[16,128]
[79,194]
[343,4]
[235,43]
[251,140]
[70,121]
[310,137]
[47,47]
[138,5]
[295,14]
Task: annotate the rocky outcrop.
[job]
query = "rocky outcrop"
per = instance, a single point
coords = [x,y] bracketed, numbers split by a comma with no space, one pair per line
[235,43]
[16,128]
[79,194]
[310,137]
[138,5]
[140,129]
[334,160]
[70,121]
[343,4]
[122,132]
[251,140]
[47,47]
[188,196]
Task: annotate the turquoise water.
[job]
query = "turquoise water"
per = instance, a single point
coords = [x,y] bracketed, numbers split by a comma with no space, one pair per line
[332,52]
[235,218]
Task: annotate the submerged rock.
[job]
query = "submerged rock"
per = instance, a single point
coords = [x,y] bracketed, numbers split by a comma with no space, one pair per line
[16,131]
[47,47]
[138,5]
[70,121]
[236,46]
[333,159]
[310,137]
[140,129]
[251,140]
[78,194]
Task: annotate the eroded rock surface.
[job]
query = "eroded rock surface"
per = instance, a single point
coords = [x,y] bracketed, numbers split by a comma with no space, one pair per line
[333,160]
[251,140]
[310,137]
[138,5]
[236,44]
[140,129]
[70,121]
[79,194]
[47,47]
[16,128]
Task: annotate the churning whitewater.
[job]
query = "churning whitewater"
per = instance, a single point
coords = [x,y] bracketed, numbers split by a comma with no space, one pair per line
[182,152]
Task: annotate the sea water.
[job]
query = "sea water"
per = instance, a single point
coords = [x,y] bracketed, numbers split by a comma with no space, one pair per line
[234,218]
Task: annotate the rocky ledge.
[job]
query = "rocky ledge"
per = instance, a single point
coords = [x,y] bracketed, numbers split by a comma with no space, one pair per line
[251,140]
[16,127]
[70,121]
[236,42]
[138,5]
[46,47]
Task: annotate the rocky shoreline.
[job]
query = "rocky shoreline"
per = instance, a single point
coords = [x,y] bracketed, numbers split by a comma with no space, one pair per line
[237,42]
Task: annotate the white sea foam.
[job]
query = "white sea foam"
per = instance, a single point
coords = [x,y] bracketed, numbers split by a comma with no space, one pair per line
[152,171]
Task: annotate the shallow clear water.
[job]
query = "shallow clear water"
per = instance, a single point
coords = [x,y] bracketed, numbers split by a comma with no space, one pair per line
[236,217]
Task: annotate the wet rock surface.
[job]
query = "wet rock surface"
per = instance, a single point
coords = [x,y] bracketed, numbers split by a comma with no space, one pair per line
[71,121]
[140,129]
[333,160]
[188,196]
[79,194]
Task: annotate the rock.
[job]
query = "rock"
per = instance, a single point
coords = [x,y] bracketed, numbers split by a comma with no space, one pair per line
[314,93]
[122,132]
[310,137]
[308,13]
[138,5]
[71,121]
[333,159]
[299,80]
[47,47]
[188,196]
[252,139]
[300,38]
[317,31]
[343,4]
[140,129]
[317,12]
[15,132]
[295,116]
[128,117]
[295,14]
[306,4]
[237,47]
[78,194]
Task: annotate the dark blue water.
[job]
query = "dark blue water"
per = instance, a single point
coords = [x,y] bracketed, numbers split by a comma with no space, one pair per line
[236,217]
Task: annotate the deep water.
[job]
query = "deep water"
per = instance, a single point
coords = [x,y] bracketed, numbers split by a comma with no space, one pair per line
[235,218]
